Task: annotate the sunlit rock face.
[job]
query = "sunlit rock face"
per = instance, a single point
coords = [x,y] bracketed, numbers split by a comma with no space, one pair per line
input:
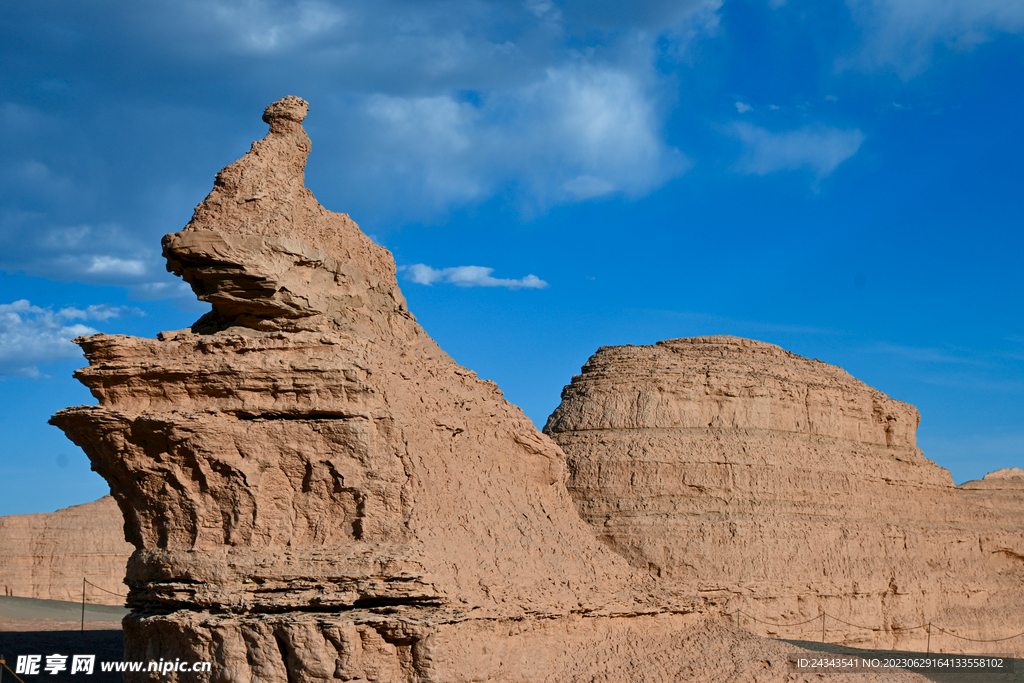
[317,492]
[46,555]
[743,470]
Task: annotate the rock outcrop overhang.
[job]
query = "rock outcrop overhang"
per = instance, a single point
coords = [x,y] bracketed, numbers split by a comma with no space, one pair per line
[316,491]
[788,487]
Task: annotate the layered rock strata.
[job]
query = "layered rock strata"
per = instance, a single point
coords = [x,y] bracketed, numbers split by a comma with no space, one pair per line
[783,483]
[317,492]
[1001,492]
[47,555]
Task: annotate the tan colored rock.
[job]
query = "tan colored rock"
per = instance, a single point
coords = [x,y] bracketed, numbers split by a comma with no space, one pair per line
[743,470]
[1002,493]
[317,492]
[47,555]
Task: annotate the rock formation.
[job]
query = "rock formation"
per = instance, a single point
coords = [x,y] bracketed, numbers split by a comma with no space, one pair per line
[316,491]
[783,483]
[1001,492]
[47,555]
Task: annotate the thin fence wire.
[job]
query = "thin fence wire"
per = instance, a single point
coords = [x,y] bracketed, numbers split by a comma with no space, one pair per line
[870,628]
[772,623]
[822,615]
[103,589]
[976,640]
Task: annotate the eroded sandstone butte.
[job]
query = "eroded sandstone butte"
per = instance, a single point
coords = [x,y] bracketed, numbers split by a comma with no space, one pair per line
[46,555]
[317,492]
[743,470]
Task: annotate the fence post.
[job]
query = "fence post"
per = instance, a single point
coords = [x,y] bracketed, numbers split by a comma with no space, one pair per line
[929,650]
[823,626]
[83,604]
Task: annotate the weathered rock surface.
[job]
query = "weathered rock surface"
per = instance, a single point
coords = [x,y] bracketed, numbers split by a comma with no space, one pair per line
[317,492]
[743,470]
[1001,492]
[47,555]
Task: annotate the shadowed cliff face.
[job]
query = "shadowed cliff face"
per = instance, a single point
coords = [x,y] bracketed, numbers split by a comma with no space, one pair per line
[743,470]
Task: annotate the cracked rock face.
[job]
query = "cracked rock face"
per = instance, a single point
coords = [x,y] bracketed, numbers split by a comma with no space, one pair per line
[317,492]
[743,470]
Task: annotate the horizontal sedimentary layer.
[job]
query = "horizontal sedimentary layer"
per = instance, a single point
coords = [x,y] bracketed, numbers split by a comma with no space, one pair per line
[251,580]
[728,383]
[272,374]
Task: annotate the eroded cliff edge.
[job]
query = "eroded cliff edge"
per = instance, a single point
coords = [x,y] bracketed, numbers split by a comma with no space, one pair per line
[316,491]
[788,487]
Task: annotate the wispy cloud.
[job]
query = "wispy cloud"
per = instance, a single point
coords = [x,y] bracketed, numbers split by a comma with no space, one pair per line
[97,312]
[931,355]
[817,148]
[150,291]
[97,254]
[587,186]
[710,323]
[433,106]
[468,276]
[903,34]
[31,335]
[258,27]
[112,265]
[577,132]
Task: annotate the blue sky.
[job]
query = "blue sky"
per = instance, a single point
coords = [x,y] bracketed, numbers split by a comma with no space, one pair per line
[839,178]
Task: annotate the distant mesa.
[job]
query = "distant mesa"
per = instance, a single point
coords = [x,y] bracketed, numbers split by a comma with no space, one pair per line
[48,555]
[1005,473]
[789,488]
[1002,493]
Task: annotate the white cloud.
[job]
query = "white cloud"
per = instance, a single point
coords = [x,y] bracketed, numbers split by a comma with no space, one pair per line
[543,9]
[260,27]
[111,265]
[468,276]
[578,132]
[31,335]
[100,254]
[98,312]
[587,186]
[742,107]
[903,34]
[150,291]
[432,106]
[818,148]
